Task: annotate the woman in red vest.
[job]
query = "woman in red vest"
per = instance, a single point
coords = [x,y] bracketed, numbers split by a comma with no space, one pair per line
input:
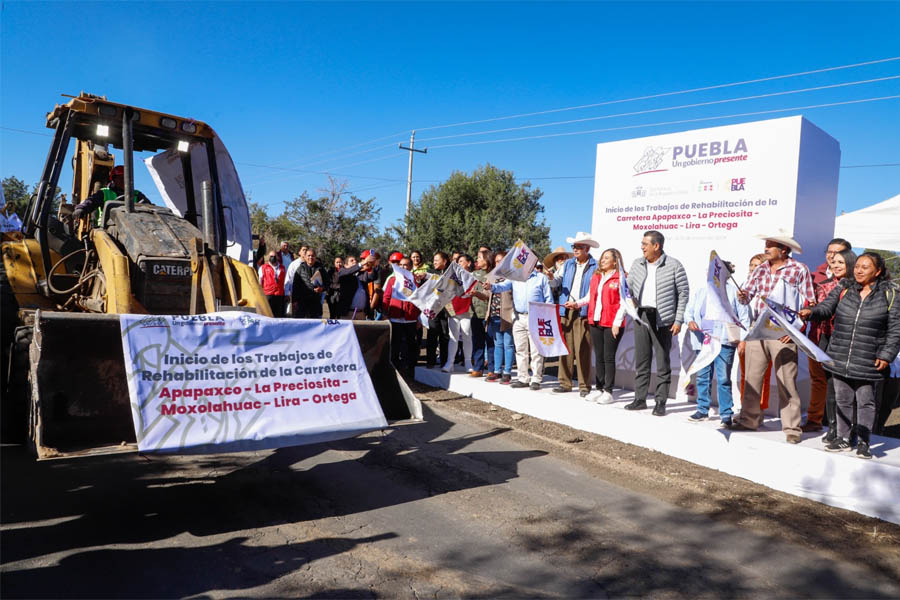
[606,320]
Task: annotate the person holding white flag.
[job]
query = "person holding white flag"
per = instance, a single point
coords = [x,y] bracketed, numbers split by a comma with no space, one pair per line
[783,280]
[535,289]
[516,265]
[403,315]
[704,328]
[573,311]
[438,324]
[460,314]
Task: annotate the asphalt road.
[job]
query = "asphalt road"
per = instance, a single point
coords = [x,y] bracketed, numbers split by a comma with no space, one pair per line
[453,507]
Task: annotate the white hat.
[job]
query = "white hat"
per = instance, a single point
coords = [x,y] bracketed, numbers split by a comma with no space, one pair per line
[583,238]
[783,237]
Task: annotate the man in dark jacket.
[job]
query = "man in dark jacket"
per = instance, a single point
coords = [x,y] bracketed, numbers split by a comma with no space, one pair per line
[309,283]
[438,327]
[351,290]
[660,287]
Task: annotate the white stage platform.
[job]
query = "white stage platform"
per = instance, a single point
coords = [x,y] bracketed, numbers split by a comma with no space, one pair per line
[870,487]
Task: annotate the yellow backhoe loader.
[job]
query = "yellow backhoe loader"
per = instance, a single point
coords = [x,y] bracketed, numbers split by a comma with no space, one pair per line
[64,284]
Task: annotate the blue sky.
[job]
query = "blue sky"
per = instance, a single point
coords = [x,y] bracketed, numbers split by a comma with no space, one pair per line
[310,86]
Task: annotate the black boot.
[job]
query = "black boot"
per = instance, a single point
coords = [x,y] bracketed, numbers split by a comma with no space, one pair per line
[636,405]
[660,409]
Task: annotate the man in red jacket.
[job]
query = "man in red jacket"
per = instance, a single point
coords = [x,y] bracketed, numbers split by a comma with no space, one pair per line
[404,317]
[271,277]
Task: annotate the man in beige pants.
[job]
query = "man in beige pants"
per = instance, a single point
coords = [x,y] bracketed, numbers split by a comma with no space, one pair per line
[786,282]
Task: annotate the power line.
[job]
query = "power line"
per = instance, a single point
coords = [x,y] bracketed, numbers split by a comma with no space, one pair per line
[681,121]
[663,109]
[664,94]
[596,104]
[310,172]
[41,133]
[328,172]
[386,137]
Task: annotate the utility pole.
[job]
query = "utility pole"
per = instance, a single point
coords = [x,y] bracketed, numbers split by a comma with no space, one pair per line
[411,149]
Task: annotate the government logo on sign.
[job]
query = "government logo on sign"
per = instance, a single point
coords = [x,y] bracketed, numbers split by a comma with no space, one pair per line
[651,160]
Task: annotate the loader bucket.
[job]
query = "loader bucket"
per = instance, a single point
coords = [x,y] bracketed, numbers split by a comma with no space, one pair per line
[79,403]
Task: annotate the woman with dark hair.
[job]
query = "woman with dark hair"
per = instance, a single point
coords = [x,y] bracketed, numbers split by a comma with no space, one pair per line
[460,324]
[865,339]
[606,322]
[820,331]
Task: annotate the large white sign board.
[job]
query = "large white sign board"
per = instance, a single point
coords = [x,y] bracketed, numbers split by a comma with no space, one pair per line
[717,189]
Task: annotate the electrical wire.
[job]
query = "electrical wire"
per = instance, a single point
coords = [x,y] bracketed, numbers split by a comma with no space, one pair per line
[329,172]
[665,94]
[663,109]
[584,106]
[681,121]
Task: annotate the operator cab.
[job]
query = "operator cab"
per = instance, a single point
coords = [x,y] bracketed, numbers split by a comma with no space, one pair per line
[155,238]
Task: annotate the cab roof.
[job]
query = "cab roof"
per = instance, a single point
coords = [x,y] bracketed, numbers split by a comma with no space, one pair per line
[152,130]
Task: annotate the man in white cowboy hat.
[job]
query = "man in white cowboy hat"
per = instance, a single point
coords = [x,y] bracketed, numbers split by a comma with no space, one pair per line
[788,282]
[659,284]
[575,281]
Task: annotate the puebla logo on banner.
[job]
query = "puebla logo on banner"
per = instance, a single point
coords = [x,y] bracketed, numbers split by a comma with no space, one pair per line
[657,159]
[545,330]
[233,381]
[517,265]
[404,284]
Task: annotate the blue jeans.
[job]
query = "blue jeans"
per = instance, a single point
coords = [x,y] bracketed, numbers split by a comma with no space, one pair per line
[503,347]
[722,365]
[480,340]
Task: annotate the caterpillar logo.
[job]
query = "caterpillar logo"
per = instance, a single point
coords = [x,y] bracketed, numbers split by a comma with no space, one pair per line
[177,270]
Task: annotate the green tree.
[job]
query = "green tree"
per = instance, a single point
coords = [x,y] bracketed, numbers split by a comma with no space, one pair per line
[335,223]
[891,262]
[466,211]
[16,194]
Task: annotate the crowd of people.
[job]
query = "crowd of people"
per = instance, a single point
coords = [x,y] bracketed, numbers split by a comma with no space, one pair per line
[846,306]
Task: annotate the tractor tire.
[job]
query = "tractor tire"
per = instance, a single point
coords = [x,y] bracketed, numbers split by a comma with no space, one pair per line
[17,398]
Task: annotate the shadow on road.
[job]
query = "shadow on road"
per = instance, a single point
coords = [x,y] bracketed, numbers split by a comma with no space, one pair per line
[90,503]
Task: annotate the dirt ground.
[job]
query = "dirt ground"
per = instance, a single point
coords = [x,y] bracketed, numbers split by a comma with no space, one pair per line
[844,534]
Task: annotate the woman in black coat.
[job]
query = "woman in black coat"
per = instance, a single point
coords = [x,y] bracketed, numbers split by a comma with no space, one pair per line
[865,340]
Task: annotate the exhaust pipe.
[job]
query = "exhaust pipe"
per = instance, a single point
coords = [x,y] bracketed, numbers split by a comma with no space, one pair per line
[209,217]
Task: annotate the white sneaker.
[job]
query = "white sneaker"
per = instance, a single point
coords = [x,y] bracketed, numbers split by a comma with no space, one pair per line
[595,397]
[446,369]
[605,398]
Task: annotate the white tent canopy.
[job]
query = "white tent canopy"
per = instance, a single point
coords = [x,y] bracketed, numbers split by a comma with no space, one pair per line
[876,226]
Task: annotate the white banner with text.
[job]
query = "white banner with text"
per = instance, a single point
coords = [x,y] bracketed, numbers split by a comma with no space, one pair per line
[235,381]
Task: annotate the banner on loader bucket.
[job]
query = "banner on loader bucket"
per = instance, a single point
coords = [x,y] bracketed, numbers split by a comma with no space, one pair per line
[234,381]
